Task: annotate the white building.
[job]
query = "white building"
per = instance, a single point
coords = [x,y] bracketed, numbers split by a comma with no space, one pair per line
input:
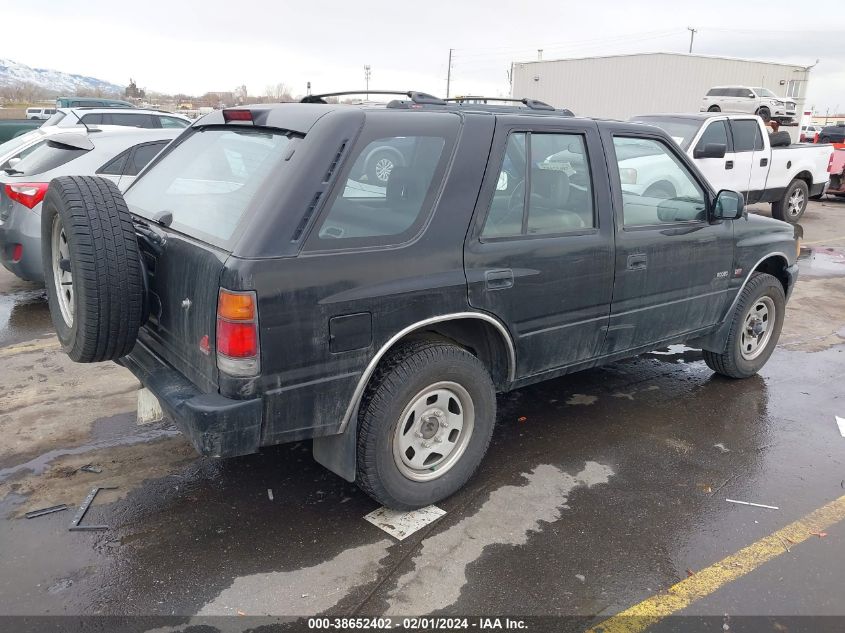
[621,86]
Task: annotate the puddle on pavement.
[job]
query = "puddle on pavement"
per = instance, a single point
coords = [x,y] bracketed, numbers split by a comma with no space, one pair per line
[23,315]
[822,261]
[116,430]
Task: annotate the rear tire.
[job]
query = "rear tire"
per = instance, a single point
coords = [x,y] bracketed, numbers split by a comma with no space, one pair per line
[92,268]
[791,207]
[747,351]
[428,399]
[714,108]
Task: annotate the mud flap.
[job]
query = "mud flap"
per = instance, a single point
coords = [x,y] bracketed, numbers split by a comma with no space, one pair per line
[338,452]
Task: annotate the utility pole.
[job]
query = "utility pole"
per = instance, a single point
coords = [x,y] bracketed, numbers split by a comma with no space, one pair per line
[367,79]
[692,33]
[449,73]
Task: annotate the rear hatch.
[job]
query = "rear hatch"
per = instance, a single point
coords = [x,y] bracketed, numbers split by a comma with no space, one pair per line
[190,207]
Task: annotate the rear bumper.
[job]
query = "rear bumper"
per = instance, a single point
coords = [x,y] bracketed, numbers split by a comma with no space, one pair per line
[22,226]
[215,425]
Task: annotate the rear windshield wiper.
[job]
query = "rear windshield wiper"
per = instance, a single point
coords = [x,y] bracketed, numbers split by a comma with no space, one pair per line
[12,171]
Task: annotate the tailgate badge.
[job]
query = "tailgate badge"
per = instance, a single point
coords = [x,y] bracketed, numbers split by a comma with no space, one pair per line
[186,303]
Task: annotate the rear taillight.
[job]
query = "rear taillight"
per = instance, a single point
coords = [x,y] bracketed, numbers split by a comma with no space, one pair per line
[237,333]
[27,193]
[17,253]
[830,163]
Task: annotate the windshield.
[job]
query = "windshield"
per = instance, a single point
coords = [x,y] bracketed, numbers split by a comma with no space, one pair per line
[208,181]
[763,92]
[681,130]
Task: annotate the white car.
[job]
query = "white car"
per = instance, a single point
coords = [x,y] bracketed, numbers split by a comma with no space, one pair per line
[735,151]
[760,101]
[808,132]
[41,114]
[126,117]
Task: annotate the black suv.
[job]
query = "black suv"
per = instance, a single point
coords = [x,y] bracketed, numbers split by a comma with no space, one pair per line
[832,134]
[265,290]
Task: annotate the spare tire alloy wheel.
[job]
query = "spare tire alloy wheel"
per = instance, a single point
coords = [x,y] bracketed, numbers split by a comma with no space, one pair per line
[62,274]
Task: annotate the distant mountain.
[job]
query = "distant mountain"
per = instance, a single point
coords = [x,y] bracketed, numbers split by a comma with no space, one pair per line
[13,74]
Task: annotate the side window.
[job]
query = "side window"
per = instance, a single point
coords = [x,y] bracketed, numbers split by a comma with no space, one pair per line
[128,120]
[557,181]
[170,122]
[115,166]
[716,132]
[386,192]
[747,135]
[656,187]
[92,119]
[143,154]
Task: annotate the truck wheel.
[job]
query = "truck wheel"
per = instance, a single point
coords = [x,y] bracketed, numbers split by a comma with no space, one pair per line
[92,268]
[714,108]
[755,328]
[791,207]
[379,168]
[425,424]
[764,114]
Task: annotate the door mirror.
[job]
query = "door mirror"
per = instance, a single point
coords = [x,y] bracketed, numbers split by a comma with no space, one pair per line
[750,95]
[729,205]
[710,150]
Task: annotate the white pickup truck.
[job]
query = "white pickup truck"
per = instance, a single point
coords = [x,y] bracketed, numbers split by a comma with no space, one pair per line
[734,151]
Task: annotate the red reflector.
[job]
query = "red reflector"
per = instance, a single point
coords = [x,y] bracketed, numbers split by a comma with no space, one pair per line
[237,115]
[27,193]
[236,340]
[830,163]
[17,253]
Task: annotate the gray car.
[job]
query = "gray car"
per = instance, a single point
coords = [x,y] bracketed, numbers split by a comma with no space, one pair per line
[117,153]
[129,117]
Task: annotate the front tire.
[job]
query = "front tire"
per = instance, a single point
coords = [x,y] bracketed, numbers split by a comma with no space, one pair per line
[755,329]
[425,424]
[764,114]
[791,207]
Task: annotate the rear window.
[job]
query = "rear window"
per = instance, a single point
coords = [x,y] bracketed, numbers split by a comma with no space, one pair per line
[54,120]
[45,157]
[209,180]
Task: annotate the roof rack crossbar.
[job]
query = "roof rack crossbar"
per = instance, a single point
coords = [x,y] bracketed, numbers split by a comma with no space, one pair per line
[413,95]
[533,104]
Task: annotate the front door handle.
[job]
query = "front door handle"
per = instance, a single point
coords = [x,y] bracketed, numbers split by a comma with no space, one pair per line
[498,279]
[729,164]
[638,261]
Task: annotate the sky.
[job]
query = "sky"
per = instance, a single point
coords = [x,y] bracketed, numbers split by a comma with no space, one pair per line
[217,45]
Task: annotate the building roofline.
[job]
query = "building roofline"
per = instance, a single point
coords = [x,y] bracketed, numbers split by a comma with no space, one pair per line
[674,54]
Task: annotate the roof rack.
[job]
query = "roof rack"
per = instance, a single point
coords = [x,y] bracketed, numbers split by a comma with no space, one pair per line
[533,104]
[422,98]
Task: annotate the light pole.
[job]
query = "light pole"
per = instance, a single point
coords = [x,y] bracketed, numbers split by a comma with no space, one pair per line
[449,73]
[692,33]
[367,79]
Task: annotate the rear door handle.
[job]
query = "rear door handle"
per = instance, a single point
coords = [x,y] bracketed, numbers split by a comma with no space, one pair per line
[729,164]
[764,162]
[498,279]
[638,261]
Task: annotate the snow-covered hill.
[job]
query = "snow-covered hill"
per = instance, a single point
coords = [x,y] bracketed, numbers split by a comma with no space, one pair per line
[13,73]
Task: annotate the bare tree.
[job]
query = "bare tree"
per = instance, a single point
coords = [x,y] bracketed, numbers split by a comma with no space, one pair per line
[279,93]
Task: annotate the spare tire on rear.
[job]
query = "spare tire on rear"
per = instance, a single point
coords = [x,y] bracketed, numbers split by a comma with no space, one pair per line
[92,268]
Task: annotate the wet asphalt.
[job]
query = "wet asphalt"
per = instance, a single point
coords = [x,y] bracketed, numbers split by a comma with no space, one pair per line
[599,490]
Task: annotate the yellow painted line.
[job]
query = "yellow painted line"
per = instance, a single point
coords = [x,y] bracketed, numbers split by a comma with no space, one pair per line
[25,348]
[706,581]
